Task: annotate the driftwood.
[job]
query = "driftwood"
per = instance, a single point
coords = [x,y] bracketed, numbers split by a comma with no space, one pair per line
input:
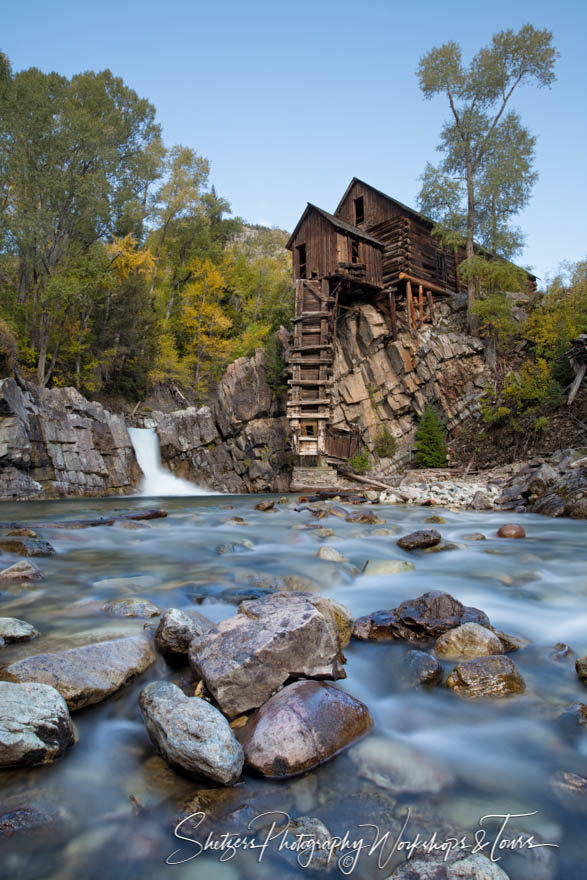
[86,523]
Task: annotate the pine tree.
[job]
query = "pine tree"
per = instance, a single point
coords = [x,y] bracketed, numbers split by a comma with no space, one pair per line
[430,440]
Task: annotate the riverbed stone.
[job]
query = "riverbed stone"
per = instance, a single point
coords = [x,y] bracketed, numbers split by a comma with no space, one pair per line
[300,727]
[581,669]
[421,668]
[265,505]
[495,676]
[26,547]
[509,641]
[270,640]
[330,554]
[421,619]
[14,630]
[176,630]
[466,642]
[35,725]
[387,566]
[511,530]
[190,733]
[131,608]
[20,572]
[87,674]
[420,540]
[398,768]
[438,867]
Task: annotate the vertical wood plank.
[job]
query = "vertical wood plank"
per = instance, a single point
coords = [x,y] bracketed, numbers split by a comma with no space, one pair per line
[393,309]
[421,305]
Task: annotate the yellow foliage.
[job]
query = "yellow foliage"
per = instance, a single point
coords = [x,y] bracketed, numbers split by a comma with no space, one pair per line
[126,258]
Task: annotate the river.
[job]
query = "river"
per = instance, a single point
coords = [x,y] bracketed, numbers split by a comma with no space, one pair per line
[111,801]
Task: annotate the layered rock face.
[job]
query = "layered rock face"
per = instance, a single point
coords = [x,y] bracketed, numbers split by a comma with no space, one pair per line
[238,444]
[381,383]
[54,442]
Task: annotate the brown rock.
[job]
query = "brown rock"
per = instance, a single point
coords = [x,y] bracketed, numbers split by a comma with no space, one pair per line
[265,505]
[420,540]
[19,572]
[267,642]
[26,546]
[130,608]
[467,641]
[512,530]
[493,676]
[303,725]
[176,630]
[419,619]
[581,669]
[89,674]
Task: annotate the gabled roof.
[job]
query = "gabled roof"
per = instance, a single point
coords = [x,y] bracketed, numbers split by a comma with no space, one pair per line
[339,224]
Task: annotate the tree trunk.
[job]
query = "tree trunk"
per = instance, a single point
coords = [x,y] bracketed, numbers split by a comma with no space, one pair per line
[473,322]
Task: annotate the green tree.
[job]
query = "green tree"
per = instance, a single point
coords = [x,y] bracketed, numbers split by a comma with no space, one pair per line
[430,440]
[486,174]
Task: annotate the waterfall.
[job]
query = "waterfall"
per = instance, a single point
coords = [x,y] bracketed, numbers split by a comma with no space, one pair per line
[156,479]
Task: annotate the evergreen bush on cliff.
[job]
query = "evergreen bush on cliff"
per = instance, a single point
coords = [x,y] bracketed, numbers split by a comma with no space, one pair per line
[385,444]
[430,440]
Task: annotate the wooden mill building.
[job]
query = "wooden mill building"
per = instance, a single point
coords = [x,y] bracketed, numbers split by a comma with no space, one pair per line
[373,248]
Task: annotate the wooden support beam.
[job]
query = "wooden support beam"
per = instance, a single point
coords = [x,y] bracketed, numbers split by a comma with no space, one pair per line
[421,305]
[393,309]
[411,310]
[404,276]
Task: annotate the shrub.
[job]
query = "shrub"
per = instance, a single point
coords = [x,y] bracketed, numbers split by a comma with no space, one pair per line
[360,462]
[430,440]
[385,444]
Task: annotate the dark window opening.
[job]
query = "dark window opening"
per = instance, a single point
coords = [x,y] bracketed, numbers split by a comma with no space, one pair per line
[308,429]
[359,211]
[354,250]
[301,249]
[441,267]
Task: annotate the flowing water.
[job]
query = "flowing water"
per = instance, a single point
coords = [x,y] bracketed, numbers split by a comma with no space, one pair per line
[112,802]
[157,480]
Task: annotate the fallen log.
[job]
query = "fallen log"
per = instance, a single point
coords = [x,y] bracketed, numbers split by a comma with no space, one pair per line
[86,523]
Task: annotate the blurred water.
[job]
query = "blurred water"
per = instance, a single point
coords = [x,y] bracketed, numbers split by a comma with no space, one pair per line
[157,480]
[114,802]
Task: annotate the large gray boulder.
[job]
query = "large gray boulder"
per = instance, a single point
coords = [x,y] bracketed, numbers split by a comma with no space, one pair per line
[88,674]
[35,725]
[177,629]
[270,640]
[301,726]
[190,733]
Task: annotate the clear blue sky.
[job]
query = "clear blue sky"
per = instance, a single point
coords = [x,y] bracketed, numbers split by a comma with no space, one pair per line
[289,100]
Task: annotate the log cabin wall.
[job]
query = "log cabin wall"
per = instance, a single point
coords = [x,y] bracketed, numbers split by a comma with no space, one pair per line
[376,207]
[320,240]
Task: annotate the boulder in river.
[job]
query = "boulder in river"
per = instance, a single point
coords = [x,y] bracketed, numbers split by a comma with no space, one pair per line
[581,669]
[387,566]
[421,668]
[495,676]
[437,866]
[398,768]
[26,546]
[35,725]
[176,630]
[88,674]
[14,630]
[330,554]
[265,505]
[19,572]
[190,733]
[301,726]
[130,608]
[420,540]
[467,641]
[270,640]
[420,619]
[512,530]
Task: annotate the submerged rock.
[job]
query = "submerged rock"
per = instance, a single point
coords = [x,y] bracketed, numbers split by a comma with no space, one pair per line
[420,539]
[190,733]
[494,676]
[438,867]
[301,726]
[130,608]
[426,617]
[14,630]
[397,768]
[270,640]
[581,669]
[330,554]
[467,641]
[387,566]
[26,547]
[512,530]
[509,641]
[20,571]
[35,725]
[89,674]
[265,505]
[421,668]
[176,630]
